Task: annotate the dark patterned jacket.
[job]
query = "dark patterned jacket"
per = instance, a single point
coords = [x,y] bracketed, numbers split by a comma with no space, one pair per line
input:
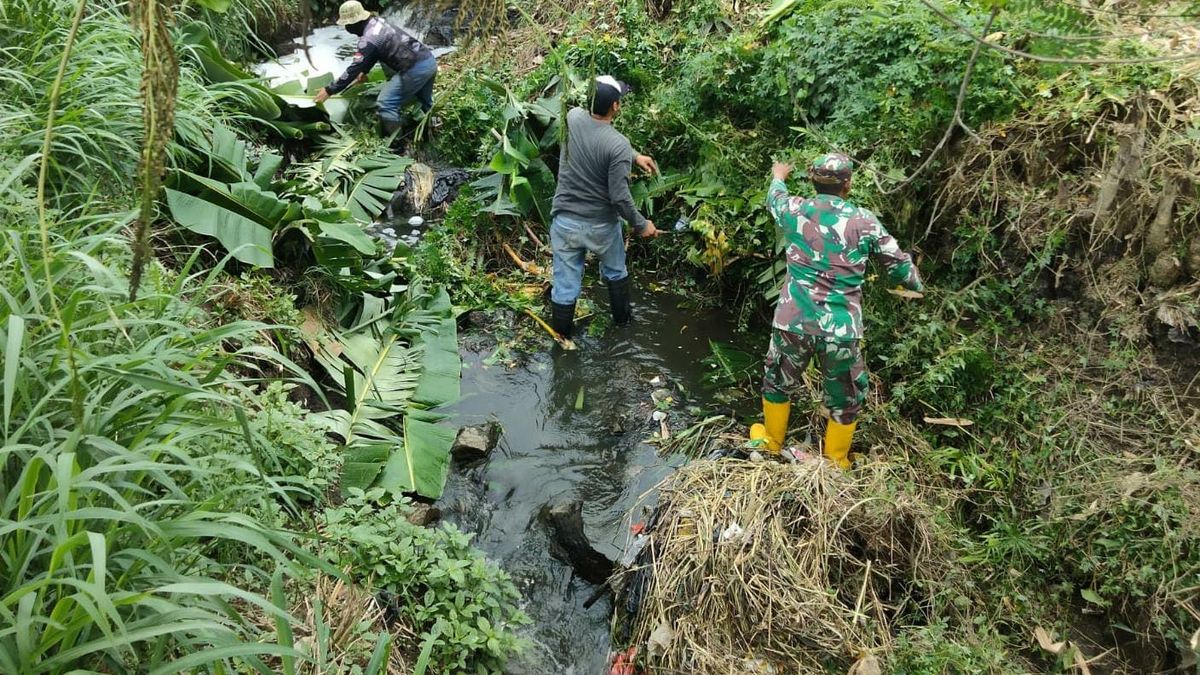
[383,43]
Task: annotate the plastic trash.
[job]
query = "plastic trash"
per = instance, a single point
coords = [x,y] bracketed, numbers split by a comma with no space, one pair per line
[732,534]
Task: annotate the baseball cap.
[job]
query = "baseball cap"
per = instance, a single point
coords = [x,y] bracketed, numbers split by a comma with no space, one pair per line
[608,90]
[831,169]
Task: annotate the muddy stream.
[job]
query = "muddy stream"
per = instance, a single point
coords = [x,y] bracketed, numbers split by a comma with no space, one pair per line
[551,452]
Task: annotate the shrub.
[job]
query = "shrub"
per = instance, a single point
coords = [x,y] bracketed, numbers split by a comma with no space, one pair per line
[459,601]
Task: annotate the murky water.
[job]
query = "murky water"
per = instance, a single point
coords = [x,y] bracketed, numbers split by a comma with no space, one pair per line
[550,452]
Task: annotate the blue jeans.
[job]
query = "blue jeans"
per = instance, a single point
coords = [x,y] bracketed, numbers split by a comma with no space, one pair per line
[571,240]
[414,83]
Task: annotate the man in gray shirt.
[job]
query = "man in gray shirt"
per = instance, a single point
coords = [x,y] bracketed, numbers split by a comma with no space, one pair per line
[591,201]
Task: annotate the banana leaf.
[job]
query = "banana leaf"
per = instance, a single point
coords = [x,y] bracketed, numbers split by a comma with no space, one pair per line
[441,367]
[348,232]
[244,238]
[421,462]
[244,198]
[400,359]
[368,194]
[263,104]
[268,166]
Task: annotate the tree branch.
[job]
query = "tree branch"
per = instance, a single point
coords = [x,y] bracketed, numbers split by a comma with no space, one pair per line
[1050,59]
[956,120]
[1119,12]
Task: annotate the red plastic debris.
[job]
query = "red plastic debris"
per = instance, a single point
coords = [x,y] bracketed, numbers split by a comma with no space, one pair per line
[625,663]
[638,528]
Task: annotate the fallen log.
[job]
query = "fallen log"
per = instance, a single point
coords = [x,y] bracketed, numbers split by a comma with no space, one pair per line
[570,544]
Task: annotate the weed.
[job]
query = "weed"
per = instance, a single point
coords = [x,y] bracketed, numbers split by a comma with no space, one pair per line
[432,578]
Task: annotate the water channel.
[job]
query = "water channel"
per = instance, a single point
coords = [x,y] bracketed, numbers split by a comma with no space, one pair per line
[550,451]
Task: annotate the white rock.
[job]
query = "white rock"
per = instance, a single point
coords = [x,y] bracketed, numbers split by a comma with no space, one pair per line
[659,416]
[416,221]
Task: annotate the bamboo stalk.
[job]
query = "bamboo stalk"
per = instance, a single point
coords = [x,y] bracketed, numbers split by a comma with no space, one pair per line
[566,344]
[528,267]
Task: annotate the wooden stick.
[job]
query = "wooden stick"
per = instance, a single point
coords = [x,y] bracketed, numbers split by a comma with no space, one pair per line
[533,236]
[566,344]
[528,267]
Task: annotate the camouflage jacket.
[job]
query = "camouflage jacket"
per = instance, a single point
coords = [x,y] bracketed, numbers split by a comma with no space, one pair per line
[828,242]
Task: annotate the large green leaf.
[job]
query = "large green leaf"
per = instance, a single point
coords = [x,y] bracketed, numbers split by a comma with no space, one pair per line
[248,241]
[268,165]
[420,464]
[263,104]
[348,232]
[368,194]
[364,464]
[245,198]
[441,367]
[400,358]
[226,156]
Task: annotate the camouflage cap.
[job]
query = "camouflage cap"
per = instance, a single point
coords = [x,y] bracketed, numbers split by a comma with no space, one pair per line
[831,169]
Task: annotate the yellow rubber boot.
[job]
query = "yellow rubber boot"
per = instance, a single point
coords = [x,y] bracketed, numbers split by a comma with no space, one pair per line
[837,442]
[758,434]
[775,423]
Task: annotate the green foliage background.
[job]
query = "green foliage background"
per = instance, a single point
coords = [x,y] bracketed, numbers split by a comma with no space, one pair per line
[167,497]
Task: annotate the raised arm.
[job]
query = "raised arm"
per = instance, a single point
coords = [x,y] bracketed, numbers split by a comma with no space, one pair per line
[783,207]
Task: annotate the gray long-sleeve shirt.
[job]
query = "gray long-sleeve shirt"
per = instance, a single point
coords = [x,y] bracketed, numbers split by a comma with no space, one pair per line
[593,173]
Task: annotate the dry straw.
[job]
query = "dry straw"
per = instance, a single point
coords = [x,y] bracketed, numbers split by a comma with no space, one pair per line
[771,567]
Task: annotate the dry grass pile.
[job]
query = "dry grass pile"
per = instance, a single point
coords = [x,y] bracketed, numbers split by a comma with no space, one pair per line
[337,627]
[770,567]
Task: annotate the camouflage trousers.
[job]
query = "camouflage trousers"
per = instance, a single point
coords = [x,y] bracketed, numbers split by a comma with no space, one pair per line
[843,373]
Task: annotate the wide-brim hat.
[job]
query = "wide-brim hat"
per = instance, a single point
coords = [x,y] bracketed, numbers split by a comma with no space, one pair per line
[352,11]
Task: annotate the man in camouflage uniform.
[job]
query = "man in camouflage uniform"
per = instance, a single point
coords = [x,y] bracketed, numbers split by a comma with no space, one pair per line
[819,315]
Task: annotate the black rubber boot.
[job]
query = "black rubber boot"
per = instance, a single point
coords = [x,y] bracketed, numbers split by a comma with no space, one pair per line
[387,128]
[562,319]
[618,300]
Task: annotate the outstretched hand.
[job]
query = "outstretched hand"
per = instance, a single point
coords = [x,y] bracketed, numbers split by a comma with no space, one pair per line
[322,96]
[781,170]
[646,163]
[650,231]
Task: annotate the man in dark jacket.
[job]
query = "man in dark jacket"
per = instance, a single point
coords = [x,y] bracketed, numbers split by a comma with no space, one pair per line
[380,42]
[592,199]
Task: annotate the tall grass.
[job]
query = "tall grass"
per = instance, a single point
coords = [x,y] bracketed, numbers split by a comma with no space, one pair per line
[110,528]
[98,129]
[114,532]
